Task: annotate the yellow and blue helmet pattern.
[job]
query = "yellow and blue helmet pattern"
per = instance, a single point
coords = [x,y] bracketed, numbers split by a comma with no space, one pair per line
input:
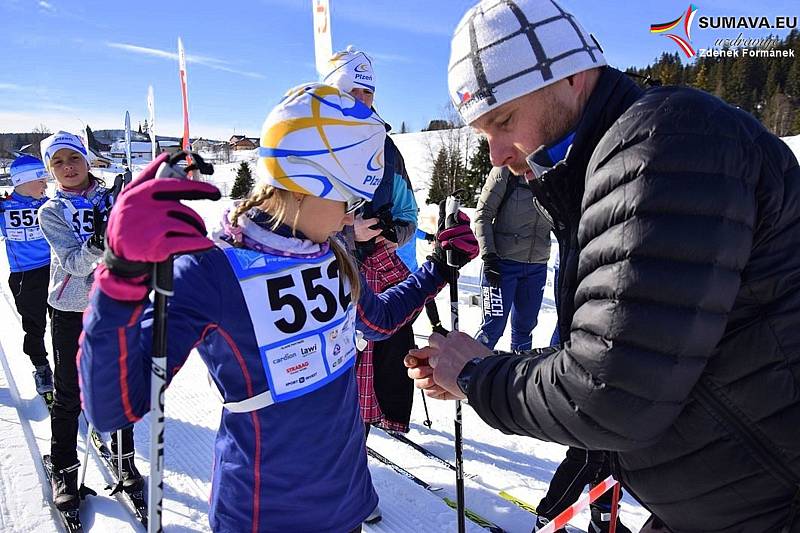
[322,142]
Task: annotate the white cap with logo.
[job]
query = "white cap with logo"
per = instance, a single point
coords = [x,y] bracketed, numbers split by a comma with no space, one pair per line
[350,69]
[61,140]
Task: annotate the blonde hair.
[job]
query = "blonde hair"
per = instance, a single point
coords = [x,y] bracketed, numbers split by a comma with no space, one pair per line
[274,201]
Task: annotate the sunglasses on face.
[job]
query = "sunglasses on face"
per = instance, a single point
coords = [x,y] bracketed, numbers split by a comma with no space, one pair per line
[353,204]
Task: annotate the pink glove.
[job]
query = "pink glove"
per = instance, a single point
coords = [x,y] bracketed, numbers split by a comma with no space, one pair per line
[148,224]
[458,237]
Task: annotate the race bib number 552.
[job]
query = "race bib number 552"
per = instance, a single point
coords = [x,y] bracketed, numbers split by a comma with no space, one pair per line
[305,299]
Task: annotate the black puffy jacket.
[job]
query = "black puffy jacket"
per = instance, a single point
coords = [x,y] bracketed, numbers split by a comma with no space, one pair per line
[679,220]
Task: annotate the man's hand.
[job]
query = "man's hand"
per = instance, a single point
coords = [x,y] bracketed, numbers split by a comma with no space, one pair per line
[362,229]
[491,269]
[435,368]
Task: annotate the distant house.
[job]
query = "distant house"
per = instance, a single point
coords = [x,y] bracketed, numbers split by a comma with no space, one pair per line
[205,145]
[138,150]
[97,160]
[241,142]
[169,146]
[438,124]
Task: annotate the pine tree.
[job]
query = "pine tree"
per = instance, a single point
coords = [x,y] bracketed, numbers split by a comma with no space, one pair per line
[403,127]
[244,181]
[438,190]
[93,144]
[702,78]
[793,79]
[479,166]
[456,169]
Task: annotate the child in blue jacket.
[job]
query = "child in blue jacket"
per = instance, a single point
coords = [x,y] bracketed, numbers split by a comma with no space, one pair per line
[29,262]
[272,306]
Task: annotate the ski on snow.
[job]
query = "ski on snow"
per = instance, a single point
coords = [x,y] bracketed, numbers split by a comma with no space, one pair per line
[522,504]
[134,502]
[424,451]
[70,519]
[471,515]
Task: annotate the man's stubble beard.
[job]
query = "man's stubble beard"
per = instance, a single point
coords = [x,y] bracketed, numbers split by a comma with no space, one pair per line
[557,120]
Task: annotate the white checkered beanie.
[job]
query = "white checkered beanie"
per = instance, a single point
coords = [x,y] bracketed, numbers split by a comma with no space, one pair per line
[504,49]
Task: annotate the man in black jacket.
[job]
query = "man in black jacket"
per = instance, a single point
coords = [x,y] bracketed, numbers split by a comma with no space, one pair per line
[678,217]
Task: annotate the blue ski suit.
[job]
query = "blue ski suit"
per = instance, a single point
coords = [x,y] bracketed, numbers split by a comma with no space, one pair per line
[296,465]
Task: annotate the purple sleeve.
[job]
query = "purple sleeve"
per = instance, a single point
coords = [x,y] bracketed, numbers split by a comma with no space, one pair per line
[116,345]
[380,315]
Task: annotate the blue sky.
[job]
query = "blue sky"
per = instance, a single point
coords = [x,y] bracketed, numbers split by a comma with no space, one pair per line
[71,62]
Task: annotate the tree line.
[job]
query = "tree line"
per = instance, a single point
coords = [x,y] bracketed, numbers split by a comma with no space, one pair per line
[767,87]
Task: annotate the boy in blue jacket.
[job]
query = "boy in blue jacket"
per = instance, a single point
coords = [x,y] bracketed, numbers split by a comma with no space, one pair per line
[28,256]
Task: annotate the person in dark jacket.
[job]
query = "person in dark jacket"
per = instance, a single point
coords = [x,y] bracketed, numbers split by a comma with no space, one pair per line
[678,219]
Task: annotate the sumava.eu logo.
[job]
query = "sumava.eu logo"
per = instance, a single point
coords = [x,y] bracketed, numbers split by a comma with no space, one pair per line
[672,28]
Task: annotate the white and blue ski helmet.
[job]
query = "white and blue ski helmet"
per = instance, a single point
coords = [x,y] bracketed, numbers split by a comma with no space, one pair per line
[322,142]
[27,168]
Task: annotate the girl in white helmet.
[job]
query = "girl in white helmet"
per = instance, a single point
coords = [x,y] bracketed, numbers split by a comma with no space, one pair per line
[272,305]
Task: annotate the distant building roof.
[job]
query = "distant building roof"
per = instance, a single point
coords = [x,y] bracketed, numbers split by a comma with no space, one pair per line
[136,146]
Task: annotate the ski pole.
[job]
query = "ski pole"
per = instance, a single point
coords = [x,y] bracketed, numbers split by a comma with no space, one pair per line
[163,289]
[427,422]
[118,486]
[85,491]
[451,213]
[162,286]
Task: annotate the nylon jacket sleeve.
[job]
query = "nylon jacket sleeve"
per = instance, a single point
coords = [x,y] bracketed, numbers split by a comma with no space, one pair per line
[116,347]
[666,230]
[486,210]
[404,205]
[76,258]
[380,315]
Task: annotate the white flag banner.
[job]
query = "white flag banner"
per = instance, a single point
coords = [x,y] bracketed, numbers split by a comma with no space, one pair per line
[151,111]
[323,43]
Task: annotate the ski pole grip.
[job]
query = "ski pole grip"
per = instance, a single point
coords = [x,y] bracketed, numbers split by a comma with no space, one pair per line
[450,212]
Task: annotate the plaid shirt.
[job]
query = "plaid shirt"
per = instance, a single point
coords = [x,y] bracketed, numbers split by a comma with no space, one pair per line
[381,270]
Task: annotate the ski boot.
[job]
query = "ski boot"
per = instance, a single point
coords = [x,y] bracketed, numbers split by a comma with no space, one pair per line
[601,520]
[441,330]
[374,517]
[65,487]
[43,377]
[132,480]
[541,522]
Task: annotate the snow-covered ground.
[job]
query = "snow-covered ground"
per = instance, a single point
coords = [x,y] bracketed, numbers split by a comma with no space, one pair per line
[494,462]
[520,466]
